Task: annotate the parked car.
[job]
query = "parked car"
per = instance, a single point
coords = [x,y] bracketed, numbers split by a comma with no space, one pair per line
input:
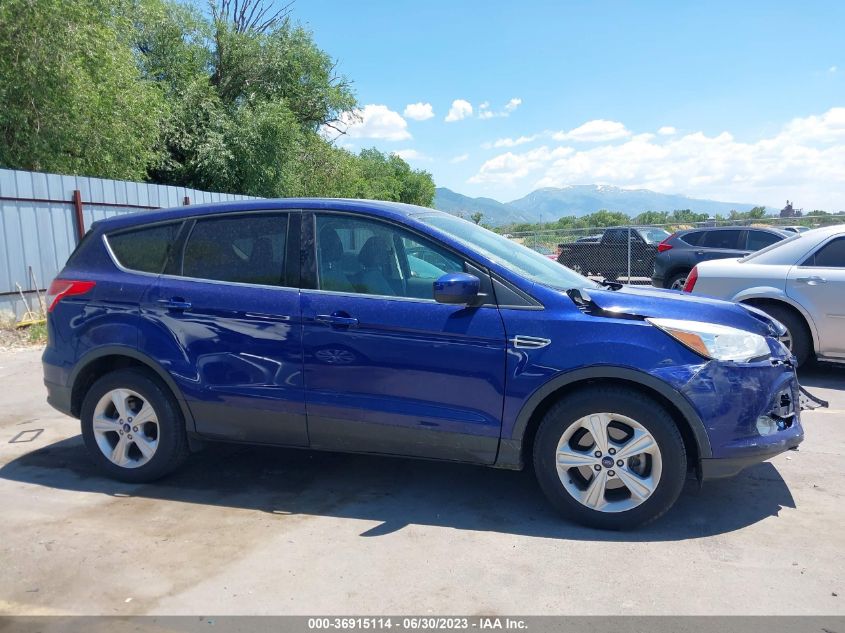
[795,228]
[391,329]
[678,253]
[545,251]
[799,281]
[609,256]
[586,238]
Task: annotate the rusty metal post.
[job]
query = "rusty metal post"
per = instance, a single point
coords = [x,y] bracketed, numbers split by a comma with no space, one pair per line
[80,219]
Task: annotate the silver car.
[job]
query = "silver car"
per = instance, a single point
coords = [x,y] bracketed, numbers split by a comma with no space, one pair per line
[799,281]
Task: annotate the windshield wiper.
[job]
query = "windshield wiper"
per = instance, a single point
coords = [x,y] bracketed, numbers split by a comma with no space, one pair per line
[613,285]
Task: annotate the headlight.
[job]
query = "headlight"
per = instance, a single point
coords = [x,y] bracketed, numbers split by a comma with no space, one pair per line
[715,341]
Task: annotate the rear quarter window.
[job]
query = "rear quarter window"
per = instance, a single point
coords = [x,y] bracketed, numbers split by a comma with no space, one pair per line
[144,249]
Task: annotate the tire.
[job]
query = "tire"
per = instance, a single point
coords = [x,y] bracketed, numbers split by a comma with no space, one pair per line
[666,464]
[798,336]
[161,434]
[677,278]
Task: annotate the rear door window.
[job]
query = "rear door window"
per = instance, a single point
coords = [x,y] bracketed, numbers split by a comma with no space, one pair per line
[693,238]
[721,239]
[760,239]
[248,249]
[831,255]
[144,249]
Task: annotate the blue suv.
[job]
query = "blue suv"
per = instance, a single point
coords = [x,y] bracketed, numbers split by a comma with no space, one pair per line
[383,328]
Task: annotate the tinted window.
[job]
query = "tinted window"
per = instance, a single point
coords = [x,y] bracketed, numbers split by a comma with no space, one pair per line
[756,240]
[653,236]
[246,249]
[368,257]
[831,255]
[614,236]
[144,249]
[721,239]
[693,238]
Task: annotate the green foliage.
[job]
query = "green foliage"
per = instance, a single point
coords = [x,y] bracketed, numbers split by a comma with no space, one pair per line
[157,89]
[37,333]
[72,98]
[477,216]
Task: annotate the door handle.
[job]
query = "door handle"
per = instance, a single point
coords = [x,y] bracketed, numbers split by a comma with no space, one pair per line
[812,280]
[343,320]
[174,304]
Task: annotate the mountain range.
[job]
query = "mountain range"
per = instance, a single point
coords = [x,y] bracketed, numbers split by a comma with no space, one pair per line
[549,204]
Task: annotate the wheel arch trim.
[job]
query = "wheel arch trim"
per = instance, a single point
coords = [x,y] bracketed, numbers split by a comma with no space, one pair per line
[510,452]
[132,353]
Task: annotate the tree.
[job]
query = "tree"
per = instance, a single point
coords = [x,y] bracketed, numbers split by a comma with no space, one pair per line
[476,217]
[72,98]
[235,101]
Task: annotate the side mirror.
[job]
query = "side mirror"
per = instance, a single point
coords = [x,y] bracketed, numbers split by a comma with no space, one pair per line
[457,288]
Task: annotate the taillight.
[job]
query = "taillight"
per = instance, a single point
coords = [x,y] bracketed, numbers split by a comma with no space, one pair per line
[663,246]
[61,288]
[691,279]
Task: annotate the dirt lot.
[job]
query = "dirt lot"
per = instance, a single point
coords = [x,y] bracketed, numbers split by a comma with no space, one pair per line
[246,530]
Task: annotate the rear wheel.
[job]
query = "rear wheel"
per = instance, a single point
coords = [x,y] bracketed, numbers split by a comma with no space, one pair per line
[677,280]
[132,427]
[610,458]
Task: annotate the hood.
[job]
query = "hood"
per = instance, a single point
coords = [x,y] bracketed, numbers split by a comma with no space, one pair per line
[633,302]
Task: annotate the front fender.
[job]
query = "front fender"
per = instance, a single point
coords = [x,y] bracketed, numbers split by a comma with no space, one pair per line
[510,449]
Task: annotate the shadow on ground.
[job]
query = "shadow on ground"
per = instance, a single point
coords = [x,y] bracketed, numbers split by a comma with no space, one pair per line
[398,492]
[822,375]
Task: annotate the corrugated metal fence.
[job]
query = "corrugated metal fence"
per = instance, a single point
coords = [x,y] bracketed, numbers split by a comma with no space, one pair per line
[42,216]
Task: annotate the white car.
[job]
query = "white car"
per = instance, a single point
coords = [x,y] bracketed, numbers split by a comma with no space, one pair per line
[799,281]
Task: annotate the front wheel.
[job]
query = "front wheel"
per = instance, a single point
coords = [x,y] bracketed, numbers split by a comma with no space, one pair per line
[610,458]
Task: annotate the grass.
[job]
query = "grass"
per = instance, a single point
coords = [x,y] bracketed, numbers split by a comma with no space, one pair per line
[37,333]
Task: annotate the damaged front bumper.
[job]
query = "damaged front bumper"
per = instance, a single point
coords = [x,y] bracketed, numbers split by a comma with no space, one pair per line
[760,419]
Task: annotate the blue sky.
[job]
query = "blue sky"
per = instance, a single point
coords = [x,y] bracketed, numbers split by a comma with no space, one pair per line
[734,101]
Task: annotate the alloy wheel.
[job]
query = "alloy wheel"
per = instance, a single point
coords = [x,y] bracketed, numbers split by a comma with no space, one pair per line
[608,462]
[126,428]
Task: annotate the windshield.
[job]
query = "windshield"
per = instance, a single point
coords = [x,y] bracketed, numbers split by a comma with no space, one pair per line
[510,254]
[770,247]
[654,236]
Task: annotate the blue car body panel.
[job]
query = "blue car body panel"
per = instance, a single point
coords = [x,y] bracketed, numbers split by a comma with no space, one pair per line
[412,377]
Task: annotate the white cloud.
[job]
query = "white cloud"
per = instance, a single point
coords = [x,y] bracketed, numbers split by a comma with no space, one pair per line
[375,121]
[484,111]
[460,109]
[667,130]
[459,158]
[508,167]
[419,111]
[596,131]
[510,142]
[804,161]
[833,69]
[411,154]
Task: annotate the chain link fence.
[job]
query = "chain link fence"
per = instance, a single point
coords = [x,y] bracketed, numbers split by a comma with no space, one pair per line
[627,253]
